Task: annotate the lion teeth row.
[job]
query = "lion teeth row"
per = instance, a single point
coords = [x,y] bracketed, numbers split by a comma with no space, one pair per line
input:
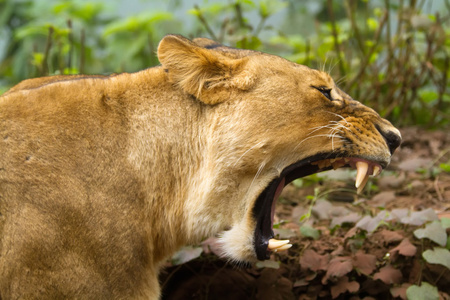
[336,163]
[279,245]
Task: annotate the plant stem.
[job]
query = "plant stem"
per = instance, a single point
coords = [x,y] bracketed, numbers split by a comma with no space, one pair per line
[48,46]
[335,37]
[205,23]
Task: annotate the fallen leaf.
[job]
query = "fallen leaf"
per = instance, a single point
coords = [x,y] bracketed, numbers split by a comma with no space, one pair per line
[445,222]
[400,291]
[433,231]
[313,261]
[338,267]
[419,218]
[364,263]
[308,231]
[338,251]
[398,214]
[351,233]
[405,248]
[370,224]
[322,209]
[284,233]
[392,181]
[351,218]
[380,200]
[414,164]
[389,275]
[301,282]
[438,255]
[271,264]
[390,236]
[424,292]
[343,286]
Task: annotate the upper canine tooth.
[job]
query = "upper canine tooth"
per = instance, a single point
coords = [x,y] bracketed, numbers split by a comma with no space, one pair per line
[277,244]
[363,184]
[361,171]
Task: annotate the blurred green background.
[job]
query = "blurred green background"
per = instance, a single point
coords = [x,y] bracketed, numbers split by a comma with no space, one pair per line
[393,55]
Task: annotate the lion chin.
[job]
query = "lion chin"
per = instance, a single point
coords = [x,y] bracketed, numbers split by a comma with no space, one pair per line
[102,178]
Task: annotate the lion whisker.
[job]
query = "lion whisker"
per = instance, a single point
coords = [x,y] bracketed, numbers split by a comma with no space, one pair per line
[341,80]
[261,167]
[305,139]
[338,115]
[237,161]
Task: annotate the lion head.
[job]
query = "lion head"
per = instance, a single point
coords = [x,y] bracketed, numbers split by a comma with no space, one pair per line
[270,121]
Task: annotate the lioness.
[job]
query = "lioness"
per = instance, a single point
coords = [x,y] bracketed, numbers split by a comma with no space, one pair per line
[104,177]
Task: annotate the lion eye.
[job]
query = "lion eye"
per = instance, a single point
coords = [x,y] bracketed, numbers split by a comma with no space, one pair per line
[325,91]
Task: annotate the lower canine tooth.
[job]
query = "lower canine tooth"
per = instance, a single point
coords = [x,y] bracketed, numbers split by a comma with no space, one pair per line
[285,247]
[278,244]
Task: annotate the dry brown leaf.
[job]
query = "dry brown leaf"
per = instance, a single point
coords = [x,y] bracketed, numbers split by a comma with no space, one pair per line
[390,236]
[343,286]
[400,291]
[389,275]
[314,261]
[364,263]
[405,248]
[338,267]
[382,198]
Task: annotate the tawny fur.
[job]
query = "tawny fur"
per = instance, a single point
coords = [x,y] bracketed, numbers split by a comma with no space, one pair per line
[103,178]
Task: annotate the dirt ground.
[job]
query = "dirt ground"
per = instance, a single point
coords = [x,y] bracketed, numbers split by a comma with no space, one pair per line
[345,246]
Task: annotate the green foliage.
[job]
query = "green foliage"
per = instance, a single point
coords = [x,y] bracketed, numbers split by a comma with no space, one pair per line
[423,292]
[308,231]
[433,231]
[438,256]
[393,56]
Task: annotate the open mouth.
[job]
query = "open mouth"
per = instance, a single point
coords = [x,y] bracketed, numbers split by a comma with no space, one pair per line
[264,208]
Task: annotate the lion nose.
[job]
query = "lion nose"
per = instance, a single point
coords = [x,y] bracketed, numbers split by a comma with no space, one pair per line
[393,139]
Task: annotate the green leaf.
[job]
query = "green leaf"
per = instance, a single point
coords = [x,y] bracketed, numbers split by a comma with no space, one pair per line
[298,183]
[428,96]
[372,24]
[445,222]
[309,231]
[31,30]
[378,12]
[424,292]
[445,167]
[438,255]
[433,231]
[38,58]
[270,7]
[252,43]
[136,23]
[268,264]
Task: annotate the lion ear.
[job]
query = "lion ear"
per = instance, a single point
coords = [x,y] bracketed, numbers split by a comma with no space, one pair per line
[206,74]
